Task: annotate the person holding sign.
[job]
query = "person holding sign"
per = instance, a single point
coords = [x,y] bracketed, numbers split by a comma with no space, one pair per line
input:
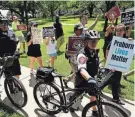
[116,77]
[51,50]
[33,49]
[78,32]
[18,33]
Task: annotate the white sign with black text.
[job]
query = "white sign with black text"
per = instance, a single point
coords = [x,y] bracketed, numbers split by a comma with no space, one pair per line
[120,54]
[37,35]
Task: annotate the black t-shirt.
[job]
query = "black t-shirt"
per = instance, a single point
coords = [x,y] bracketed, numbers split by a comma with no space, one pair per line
[6,45]
[58,30]
[109,44]
[107,40]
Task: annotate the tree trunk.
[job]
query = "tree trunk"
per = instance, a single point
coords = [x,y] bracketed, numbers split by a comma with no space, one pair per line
[52,14]
[90,9]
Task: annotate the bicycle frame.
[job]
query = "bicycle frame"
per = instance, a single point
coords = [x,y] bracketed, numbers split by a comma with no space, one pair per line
[65,105]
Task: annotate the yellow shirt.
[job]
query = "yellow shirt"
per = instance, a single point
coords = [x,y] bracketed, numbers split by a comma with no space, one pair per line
[18,33]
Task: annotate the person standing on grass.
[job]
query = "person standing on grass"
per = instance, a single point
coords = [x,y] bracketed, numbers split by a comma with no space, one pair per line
[33,49]
[78,32]
[18,33]
[59,34]
[51,50]
[120,31]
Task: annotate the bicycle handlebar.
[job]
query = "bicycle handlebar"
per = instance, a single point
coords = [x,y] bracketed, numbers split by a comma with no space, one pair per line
[6,57]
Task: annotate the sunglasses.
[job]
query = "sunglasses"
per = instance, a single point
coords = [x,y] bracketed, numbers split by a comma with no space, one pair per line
[93,41]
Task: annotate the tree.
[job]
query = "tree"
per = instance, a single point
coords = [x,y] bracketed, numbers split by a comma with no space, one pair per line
[90,7]
[52,6]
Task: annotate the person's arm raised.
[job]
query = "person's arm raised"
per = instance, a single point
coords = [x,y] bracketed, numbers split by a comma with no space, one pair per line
[94,24]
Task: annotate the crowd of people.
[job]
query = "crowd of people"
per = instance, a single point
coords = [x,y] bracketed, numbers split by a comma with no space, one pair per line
[84,63]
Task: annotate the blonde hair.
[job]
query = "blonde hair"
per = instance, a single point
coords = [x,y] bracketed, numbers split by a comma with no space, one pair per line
[120,26]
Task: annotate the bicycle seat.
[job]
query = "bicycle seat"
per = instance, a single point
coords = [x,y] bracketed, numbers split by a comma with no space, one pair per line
[58,75]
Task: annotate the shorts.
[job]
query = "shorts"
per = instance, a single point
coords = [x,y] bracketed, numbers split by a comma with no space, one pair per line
[53,55]
[15,69]
[34,51]
[21,39]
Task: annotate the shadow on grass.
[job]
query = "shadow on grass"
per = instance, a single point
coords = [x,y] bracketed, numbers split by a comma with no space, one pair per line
[12,109]
[40,113]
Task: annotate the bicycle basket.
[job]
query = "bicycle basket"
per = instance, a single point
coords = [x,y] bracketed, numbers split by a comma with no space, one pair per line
[8,61]
[45,74]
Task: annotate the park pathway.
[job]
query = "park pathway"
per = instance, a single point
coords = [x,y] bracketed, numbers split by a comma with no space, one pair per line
[32,110]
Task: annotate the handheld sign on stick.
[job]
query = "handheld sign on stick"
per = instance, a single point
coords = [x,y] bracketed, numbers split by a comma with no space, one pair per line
[74,45]
[22,27]
[127,18]
[48,32]
[113,13]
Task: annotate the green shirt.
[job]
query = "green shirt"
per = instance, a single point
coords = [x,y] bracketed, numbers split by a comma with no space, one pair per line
[18,33]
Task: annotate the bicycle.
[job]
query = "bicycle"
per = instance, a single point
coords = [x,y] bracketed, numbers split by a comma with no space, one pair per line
[12,85]
[53,100]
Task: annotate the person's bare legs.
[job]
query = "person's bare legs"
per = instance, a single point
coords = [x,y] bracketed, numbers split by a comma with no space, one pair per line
[39,60]
[93,98]
[32,61]
[52,61]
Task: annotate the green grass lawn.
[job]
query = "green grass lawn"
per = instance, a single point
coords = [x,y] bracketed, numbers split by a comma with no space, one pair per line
[62,64]
[7,112]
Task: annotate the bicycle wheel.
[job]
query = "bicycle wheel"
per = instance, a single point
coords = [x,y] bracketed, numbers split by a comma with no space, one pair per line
[48,97]
[109,110]
[15,92]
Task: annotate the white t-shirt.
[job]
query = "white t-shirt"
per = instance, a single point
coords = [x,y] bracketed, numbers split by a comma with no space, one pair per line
[51,48]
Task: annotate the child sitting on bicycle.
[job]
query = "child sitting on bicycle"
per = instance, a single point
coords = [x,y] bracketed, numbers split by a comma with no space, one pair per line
[88,63]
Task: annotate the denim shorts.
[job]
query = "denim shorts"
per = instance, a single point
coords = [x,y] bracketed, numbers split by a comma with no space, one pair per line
[53,55]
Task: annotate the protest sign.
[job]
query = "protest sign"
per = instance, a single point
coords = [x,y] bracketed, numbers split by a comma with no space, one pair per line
[48,32]
[120,54]
[74,44]
[127,17]
[37,35]
[22,27]
[113,13]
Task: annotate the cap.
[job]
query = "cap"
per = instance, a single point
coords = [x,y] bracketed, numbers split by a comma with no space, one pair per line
[78,27]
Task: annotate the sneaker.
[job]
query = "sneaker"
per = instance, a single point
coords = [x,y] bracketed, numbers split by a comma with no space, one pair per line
[65,83]
[94,113]
[125,77]
[118,102]
[31,72]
